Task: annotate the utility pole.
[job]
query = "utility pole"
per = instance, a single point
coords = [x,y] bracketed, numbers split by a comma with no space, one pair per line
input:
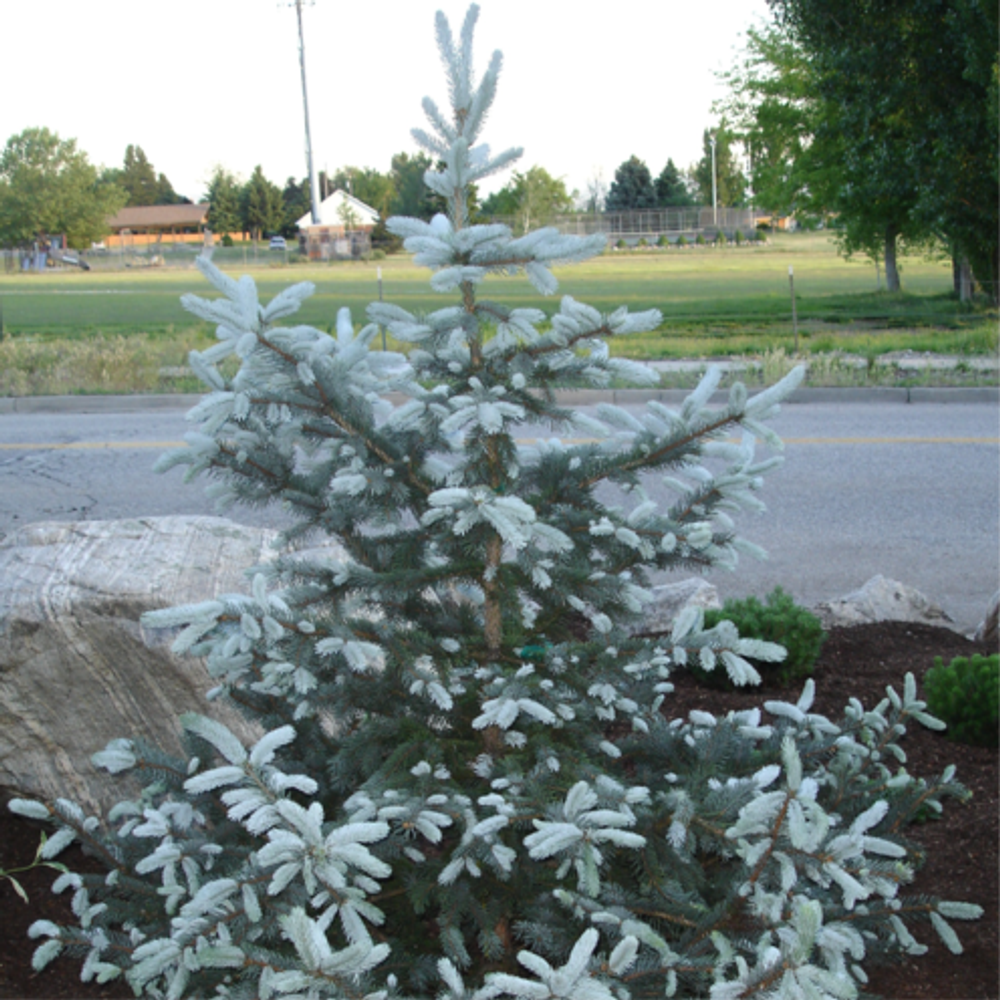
[715,200]
[313,194]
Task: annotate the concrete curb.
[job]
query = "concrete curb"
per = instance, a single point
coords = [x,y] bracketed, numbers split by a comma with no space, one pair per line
[576,397]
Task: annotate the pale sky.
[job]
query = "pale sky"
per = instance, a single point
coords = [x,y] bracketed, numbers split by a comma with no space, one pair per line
[197,83]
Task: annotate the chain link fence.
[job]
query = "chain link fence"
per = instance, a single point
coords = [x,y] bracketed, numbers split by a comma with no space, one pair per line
[648,224]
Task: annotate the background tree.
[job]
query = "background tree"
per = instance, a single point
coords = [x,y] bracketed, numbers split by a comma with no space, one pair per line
[632,187]
[773,107]
[951,66]
[296,202]
[368,185]
[48,186]
[597,193]
[533,198]
[501,204]
[671,189]
[905,94]
[412,196]
[731,183]
[261,206]
[143,185]
[223,196]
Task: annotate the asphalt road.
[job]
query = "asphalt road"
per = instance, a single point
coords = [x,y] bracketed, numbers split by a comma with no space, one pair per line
[906,490]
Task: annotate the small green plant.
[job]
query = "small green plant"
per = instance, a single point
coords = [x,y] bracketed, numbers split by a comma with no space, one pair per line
[378,254]
[621,245]
[40,860]
[720,238]
[663,241]
[700,240]
[682,240]
[779,619]
[964,694]
[738,237]
[643,242]
[227,240]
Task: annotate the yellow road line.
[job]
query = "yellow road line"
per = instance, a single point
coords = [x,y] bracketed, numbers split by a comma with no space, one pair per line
[90,445]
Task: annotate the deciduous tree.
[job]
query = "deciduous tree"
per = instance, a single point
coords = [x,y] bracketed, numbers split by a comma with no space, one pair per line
[368,185]
[412,196]
[533,198]
[905,91]
[730,182]
[773,107]
[48,186]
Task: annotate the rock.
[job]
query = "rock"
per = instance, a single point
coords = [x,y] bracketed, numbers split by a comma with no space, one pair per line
[879,600]
[76,667]
[669,599]
[986,632]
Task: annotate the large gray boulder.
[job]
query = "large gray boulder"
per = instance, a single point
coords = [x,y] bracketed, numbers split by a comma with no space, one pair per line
[987,630]
[669,599]
[76,667]
[881,599]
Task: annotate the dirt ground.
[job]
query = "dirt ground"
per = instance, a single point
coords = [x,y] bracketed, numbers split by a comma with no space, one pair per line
[962,847]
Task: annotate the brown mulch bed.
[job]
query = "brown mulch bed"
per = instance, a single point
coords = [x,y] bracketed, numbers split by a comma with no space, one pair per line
[961,847]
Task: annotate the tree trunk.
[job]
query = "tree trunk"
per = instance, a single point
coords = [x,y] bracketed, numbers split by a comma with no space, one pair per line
[985,272]
[891,271]
[965,281]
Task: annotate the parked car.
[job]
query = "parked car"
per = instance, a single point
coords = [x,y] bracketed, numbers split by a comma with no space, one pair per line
[278,243]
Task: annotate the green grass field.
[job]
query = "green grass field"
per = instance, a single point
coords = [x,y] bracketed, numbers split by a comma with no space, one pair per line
[728,301]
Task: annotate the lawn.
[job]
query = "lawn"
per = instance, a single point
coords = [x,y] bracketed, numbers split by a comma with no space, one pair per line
[727,301]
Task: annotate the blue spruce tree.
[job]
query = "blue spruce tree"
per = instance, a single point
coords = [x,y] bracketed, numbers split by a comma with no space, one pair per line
[469,784]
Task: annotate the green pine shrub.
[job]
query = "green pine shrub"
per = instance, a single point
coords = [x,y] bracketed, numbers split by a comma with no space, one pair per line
[469,783]
[778,619]
[682,240]
[663,241]
[643,242]
[621,245]
[720,239]
[965,694]
[700,239]
[738,237]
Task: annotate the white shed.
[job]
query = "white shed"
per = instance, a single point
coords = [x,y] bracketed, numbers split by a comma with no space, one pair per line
[334,209]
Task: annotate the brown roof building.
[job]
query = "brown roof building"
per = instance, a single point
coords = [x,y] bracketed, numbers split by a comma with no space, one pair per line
[160,218]
[144,225]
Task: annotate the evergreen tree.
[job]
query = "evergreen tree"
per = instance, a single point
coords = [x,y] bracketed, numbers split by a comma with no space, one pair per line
[671,191]
[468,784]
[296,202]
[143,185]
[223,196]
[261,206]
[632,187]
[138,178]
